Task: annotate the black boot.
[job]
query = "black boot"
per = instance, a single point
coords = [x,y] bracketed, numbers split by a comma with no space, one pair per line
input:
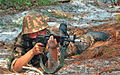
[98,36]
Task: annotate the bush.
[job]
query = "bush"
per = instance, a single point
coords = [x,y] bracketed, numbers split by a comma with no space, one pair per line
[22,4]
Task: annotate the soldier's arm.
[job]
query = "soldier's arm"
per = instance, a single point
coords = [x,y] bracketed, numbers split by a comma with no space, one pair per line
[23,60]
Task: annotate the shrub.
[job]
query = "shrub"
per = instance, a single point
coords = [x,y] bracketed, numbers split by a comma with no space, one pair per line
[21,4]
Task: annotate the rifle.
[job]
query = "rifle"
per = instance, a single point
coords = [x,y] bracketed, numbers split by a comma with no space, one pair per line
[64,41]
[60,39]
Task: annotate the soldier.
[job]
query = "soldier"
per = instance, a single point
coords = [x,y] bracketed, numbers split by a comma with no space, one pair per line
[26,53]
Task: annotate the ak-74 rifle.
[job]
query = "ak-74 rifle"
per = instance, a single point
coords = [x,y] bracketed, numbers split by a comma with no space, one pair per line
[60,38]
[64,41]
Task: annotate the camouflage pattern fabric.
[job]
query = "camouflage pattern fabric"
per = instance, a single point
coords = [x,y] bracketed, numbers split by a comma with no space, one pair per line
[21,47]
[86,41]
[79,47]
[34,22]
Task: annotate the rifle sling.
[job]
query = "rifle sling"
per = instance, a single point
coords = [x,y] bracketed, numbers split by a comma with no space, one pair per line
[63,52]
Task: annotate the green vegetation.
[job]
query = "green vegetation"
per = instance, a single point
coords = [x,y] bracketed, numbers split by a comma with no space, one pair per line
[3,25]
[23,4]
[15,24]
[46,13]
[53,14]
[78,55]
[60,16]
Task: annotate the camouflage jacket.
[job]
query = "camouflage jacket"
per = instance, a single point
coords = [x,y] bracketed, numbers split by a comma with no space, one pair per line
[22,45]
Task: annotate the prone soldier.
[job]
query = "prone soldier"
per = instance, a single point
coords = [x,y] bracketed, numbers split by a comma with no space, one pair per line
[26,51]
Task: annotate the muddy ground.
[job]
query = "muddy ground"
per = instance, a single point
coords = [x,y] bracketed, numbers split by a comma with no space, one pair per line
[101,55]
[96,57]
[102,58]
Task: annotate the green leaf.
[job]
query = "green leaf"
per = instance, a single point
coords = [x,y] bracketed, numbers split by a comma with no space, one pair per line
[77,55]
[4,27]
[28,4]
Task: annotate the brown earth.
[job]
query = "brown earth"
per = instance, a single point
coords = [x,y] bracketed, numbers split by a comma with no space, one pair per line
[103,49]
[100,50]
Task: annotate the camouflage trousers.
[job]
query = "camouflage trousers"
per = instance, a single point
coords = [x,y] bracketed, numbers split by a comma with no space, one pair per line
[78,47]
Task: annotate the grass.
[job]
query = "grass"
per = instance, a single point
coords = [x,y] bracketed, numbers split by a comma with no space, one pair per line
[23,4]
[60,16]
[53,14]
[15,24]
[3,25]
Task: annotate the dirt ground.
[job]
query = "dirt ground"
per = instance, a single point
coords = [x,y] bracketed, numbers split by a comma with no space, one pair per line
[105,50]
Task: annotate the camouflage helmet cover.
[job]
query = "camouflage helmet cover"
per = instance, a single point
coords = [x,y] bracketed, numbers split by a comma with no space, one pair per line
[33,22]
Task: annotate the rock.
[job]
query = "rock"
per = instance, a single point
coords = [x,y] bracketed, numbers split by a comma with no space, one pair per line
[4,71]
[54,24]
[69,15]
[5,57]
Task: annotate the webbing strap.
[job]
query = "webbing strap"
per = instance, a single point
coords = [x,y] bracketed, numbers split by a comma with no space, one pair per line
[63,52]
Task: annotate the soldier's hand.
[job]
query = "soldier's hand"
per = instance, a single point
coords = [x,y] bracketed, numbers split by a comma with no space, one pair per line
[37,49]
[52,43]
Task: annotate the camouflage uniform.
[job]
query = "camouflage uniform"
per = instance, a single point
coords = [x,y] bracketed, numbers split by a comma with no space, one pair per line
[78,47]
[34,22]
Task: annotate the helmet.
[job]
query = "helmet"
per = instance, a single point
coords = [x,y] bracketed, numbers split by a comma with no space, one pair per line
[33,22]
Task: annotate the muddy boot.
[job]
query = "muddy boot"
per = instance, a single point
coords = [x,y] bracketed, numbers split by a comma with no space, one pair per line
[98,36]
[89,38]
